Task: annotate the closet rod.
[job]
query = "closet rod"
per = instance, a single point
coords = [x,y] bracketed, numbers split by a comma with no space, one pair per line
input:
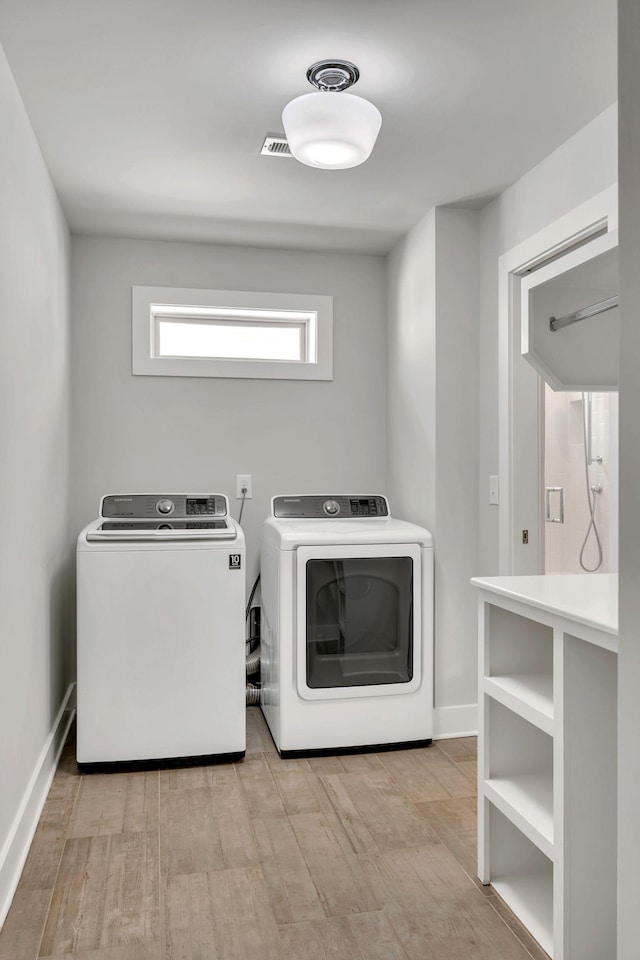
[556,323]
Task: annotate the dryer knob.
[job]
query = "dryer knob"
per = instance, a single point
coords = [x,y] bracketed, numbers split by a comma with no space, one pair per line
[331,507]
[164,506]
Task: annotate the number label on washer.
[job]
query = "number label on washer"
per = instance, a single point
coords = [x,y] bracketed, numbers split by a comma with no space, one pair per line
[235,561]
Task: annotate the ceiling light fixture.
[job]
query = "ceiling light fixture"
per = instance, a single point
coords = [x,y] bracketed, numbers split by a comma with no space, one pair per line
[331,129]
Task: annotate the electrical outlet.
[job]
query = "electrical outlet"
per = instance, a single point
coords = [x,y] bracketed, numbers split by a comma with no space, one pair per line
[243,482]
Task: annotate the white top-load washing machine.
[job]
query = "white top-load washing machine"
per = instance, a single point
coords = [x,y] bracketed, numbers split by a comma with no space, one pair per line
[160,602]
[346,625]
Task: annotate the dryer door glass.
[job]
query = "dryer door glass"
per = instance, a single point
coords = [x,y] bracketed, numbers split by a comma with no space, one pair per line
[359,621]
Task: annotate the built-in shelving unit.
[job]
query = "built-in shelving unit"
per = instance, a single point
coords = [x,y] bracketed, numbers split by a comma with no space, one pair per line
[547,758]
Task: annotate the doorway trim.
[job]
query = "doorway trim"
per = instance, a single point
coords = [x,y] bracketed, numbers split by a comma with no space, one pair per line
[594,217]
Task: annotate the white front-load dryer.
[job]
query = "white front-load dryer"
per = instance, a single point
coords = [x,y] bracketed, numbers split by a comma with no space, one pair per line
[346,625]
[160,631]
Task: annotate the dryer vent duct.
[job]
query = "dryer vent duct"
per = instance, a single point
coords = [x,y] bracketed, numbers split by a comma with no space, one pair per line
[253,662]
[275,146]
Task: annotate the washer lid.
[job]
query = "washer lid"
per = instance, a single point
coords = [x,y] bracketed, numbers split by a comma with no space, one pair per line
[151,531]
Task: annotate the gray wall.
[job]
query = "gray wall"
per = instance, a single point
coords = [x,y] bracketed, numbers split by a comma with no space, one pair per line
[411,359]
[629,652]
[432,427]
[174,433]
[35,549]
[457,447]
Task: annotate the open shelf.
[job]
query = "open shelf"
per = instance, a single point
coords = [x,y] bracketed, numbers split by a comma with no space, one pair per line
[530,695]
[527,895]
[580,356]
[523,876]
[520,774]
[527,801]
[519,666]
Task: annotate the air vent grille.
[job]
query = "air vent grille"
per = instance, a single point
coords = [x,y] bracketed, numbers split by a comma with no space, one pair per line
[275,146]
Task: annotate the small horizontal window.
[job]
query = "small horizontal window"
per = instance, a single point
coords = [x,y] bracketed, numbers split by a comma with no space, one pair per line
[230,340]
[225,333]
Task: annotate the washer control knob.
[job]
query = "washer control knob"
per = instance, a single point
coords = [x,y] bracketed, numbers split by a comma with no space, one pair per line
[331,508]
[165,506]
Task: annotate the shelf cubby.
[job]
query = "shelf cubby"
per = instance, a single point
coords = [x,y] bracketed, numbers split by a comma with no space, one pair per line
[523,876]
[519,664]
[520,774]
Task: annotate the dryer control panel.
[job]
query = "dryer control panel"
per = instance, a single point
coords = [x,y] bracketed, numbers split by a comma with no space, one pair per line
[330,507]
[147,506]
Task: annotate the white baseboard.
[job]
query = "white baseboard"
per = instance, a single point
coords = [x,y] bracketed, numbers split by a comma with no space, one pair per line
[459,721]
[16,846]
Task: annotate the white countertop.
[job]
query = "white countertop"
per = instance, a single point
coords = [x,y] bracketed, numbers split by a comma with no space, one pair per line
[588,598]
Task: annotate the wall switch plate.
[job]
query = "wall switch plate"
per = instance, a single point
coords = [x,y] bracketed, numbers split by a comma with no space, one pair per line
[243,482]
[494,497]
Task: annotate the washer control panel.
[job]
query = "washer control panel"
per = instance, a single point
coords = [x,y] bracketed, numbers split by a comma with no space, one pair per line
[330,507]
[145,506]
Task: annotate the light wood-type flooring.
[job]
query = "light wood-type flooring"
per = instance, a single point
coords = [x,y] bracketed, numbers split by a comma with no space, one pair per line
[360,857]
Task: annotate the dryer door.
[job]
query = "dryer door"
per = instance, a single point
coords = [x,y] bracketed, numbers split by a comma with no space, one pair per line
[359,621]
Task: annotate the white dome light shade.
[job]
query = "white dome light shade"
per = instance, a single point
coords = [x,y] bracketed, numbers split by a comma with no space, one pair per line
[331,130]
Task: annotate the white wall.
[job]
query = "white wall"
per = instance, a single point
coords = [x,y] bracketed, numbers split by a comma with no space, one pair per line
[432,429]
[172,433]
[629,650]
[579,169]
[35,551]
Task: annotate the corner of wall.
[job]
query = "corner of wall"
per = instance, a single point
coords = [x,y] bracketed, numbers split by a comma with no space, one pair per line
[35,398]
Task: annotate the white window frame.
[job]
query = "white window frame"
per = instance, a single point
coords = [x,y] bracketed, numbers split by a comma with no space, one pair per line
[314,312]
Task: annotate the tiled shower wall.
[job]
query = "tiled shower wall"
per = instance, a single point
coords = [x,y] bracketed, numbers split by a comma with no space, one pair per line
[564,467]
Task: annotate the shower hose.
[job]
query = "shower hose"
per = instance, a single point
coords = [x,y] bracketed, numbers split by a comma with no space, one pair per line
[592,493]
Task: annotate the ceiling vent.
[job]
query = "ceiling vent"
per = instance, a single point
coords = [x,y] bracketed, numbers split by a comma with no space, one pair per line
[275,146]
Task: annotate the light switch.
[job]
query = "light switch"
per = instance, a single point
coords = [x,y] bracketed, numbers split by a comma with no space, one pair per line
[494,499]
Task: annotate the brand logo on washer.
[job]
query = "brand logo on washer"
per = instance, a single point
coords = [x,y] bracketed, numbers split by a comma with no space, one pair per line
[235,561]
